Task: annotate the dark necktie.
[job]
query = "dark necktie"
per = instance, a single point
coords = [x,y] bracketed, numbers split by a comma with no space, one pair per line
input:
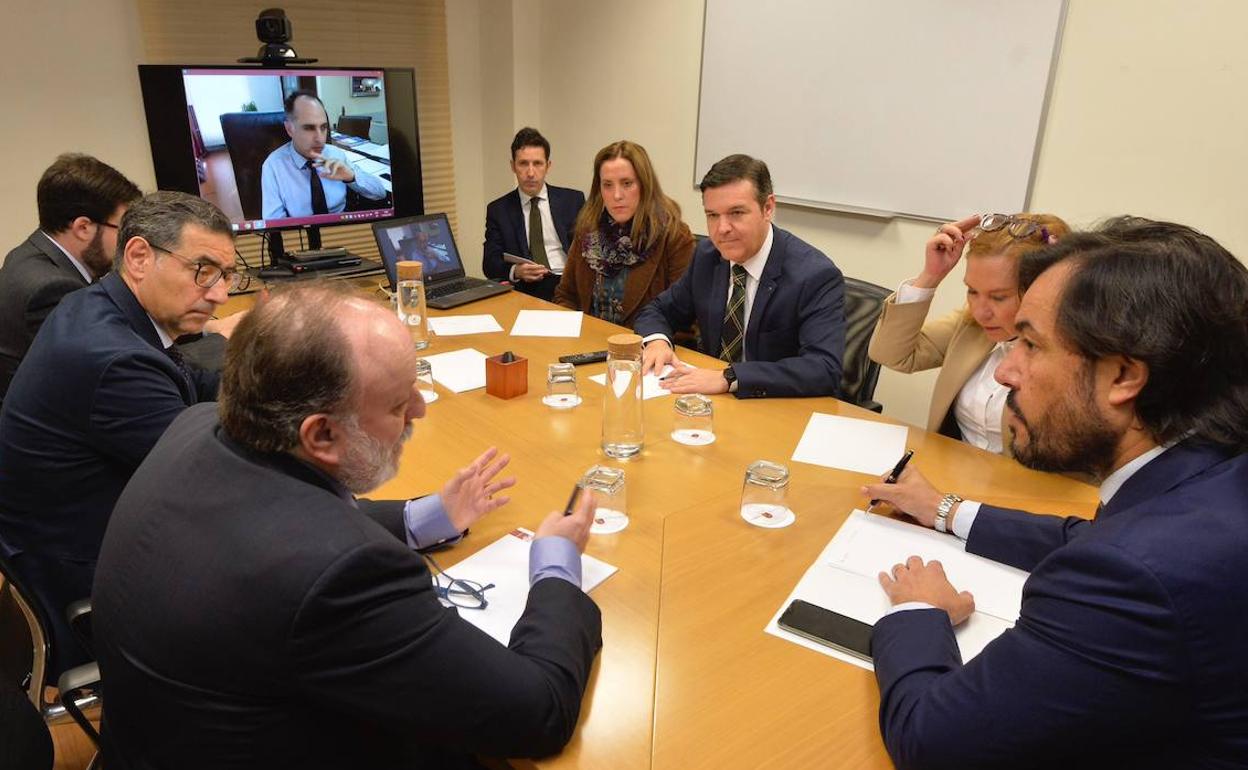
[733,336]
[318,192]
[176,355]
[537,239]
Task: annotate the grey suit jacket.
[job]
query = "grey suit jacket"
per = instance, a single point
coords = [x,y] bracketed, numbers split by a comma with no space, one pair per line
[34,278]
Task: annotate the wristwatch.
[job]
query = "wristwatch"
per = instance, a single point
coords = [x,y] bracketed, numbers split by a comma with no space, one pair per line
[943,509]
[730,376]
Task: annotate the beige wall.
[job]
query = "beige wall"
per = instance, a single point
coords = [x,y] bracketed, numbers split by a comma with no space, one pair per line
[69,83]
[1147,116]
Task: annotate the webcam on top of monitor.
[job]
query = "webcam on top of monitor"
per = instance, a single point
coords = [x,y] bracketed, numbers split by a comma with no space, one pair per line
[275,31]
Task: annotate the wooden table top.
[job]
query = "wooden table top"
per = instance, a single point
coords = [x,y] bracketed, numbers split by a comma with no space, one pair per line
[687,677]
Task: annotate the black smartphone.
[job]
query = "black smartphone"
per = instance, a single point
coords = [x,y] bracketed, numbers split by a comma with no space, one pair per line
[828,627]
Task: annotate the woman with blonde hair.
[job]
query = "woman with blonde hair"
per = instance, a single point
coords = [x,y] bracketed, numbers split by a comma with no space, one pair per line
[629,243]
[968,344]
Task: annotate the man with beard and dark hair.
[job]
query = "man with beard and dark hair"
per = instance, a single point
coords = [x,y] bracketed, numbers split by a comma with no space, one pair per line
[1131,366]
[249,611]
[80,201]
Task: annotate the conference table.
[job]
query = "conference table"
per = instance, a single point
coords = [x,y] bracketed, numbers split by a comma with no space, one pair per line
[686,677]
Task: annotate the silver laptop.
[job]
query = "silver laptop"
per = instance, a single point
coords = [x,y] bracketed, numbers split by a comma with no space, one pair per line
[428,239]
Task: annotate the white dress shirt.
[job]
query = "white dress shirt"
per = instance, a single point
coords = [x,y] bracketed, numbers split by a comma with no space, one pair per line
[550,236]
[86,276]
[979,404]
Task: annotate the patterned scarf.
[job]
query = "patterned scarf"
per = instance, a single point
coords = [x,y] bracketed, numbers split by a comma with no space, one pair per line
[609,248]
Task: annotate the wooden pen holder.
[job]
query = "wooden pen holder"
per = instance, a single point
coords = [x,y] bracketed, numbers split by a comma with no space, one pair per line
[506,380]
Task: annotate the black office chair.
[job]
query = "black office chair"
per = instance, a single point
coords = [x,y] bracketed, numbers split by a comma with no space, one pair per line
[25,652]
[249,138]
[355,125]
[863,304]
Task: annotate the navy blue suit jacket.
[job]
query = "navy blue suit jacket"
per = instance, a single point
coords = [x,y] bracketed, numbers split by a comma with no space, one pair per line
[248,616]
[505,232]
[92,396]
[1130,649]
[795,341]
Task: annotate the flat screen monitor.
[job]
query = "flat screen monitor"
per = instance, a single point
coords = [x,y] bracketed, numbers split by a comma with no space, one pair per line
[221,132]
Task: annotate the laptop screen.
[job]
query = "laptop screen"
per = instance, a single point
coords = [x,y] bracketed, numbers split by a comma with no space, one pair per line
[425,239]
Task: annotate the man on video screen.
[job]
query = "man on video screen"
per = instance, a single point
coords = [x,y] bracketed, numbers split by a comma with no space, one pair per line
[307,175]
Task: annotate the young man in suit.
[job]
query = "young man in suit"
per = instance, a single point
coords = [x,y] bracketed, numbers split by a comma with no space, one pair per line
[315,638]
[1129,651]
[534,221]
[80,201]
[96,390]
[770,305]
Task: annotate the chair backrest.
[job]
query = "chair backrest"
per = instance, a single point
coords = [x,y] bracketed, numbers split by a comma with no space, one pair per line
[249,138]
[354,125]
[24,648]
[863,304]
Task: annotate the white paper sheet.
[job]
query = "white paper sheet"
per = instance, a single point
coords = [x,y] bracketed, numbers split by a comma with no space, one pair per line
[844,579]
[863,446]
[547,323]
[505,563]
[650,387]
[459,370]
[454,325]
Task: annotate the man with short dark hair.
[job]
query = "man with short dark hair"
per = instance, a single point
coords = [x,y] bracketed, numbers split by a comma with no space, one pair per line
[535,221]
[80,201]
[1131,366]
[308,175]
[767,303]
[96,390]
[315,638]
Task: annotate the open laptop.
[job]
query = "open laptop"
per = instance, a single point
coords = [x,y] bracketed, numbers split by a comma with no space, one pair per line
[428,239]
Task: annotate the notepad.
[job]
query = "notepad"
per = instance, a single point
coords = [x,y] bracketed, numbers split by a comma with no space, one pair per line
[845,579]
[547,323]
[459,370]
[455,325]
[863,446]
[505,563]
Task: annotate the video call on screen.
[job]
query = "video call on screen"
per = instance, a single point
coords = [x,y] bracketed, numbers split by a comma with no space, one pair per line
[250,166]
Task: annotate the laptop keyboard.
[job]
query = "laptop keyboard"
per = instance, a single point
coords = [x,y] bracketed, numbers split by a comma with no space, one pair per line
[452,287]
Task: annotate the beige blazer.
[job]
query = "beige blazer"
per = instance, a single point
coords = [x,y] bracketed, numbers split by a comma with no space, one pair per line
[955,343]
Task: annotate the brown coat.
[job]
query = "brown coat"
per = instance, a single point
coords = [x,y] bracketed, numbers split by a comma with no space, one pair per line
[955,343]
[645,281]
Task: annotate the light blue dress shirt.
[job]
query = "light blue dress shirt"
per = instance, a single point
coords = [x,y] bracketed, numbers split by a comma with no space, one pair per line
[428,525]
[286,190]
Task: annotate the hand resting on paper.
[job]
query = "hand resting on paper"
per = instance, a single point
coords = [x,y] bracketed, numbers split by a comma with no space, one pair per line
[915,581]
[684,378]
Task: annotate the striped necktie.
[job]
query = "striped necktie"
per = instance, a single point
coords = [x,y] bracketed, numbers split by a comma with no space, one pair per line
[733,336]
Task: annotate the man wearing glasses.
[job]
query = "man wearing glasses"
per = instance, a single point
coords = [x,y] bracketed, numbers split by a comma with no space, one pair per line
[98,387]
[80,201]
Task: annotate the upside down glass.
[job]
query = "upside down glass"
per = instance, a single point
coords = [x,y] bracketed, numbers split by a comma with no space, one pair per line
[764,495]
[607,484]
[561,390]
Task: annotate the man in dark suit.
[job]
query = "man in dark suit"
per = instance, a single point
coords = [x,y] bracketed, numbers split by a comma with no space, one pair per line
[250,612]
[534,221]
[770,305]
[98,388]
[1129,651]
[80,202]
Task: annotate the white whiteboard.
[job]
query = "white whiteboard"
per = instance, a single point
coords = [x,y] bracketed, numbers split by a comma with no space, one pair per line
[924,108]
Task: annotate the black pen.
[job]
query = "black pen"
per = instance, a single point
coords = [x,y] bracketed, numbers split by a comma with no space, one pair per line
[896,474]
[576,491]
